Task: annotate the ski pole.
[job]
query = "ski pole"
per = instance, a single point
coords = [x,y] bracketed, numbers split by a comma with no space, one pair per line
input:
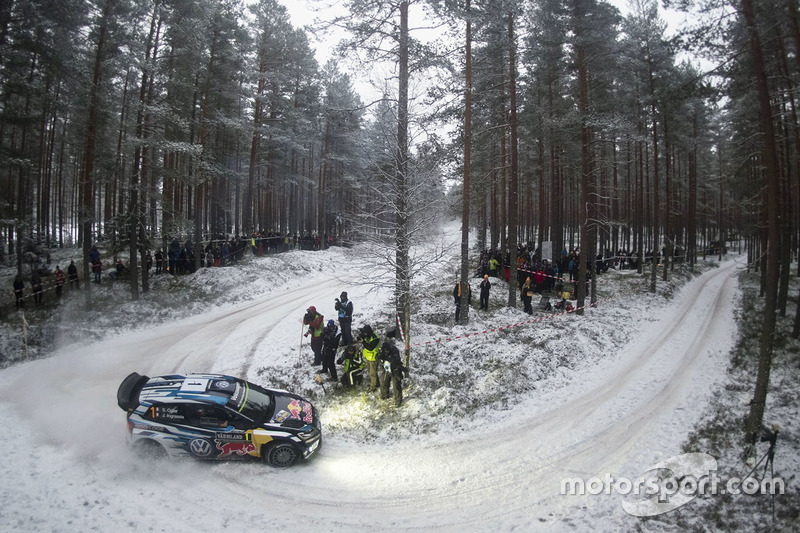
[300,350]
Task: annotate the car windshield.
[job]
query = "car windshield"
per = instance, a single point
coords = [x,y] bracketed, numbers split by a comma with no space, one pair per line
[252,401]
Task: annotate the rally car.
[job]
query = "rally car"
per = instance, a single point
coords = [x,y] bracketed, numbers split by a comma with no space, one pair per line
[212,416]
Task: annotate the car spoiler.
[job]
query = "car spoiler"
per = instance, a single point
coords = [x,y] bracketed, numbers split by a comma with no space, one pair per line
[128,392]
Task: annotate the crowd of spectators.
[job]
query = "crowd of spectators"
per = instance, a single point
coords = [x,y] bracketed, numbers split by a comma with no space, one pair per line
[176,258]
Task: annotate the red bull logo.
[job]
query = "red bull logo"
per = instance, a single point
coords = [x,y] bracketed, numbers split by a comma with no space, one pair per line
[298,407]
[235,448]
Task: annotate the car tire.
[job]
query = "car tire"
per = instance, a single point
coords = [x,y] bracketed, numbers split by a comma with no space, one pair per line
[281,455]
[149,449]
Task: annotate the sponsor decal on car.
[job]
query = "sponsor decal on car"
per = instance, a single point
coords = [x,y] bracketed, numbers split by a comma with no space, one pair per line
[149,427]
[238,395]
[233,436]
[298,407]
[221,384]
[238,448]
[280,417]
[200,447]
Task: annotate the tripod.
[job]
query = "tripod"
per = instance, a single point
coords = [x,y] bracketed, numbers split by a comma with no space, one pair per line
[769,456]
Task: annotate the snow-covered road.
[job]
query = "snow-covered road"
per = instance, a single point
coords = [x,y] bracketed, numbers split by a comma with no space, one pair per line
[66,467]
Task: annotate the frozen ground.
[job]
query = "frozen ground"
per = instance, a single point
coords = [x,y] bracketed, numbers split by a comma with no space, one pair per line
[491,426]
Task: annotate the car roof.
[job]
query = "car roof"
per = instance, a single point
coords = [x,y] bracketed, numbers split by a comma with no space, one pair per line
[214,389]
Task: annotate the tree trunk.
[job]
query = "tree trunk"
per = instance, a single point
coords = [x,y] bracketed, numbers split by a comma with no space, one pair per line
[585,255]
[514,176]
[464,302]
[402,272]
[757,406]
[87,183]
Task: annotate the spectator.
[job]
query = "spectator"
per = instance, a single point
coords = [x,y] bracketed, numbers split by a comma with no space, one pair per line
[159,261]
[59,278]
[72,273]
[457,297]
[19,292]
[345,309]
[526,294]
[97,269]
[485,286]
[36,286]
[392,371]
[119,270]
[538,280]
[494,266]
[94,255]
[330,343]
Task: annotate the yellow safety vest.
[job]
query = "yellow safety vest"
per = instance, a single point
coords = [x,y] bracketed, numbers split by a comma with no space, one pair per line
[369,355]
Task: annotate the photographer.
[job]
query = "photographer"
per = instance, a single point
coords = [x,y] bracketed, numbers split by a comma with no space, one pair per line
[345,310]
[330,343]
[314,321]
[352,366]
[392,371]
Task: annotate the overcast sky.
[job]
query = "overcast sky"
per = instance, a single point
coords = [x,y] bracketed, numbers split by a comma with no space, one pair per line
[302,14]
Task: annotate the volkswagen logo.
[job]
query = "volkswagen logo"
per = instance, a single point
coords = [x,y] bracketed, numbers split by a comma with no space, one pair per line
[200,447]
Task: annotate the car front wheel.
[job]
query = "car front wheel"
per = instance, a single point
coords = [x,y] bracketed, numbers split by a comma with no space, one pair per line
[281,455]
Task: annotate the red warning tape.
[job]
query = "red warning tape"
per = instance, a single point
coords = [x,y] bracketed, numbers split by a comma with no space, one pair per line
[487,331]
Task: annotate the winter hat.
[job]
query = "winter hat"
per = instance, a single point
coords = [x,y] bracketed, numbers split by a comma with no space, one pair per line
[331,324]
[312,309]
[343,296]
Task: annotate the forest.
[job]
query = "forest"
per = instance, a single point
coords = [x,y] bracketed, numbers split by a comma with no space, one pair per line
[131,123]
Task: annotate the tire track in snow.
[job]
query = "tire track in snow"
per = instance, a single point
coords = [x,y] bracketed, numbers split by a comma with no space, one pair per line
[502,475]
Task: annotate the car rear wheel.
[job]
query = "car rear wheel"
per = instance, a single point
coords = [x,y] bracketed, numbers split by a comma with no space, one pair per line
[281,455]
[149,449]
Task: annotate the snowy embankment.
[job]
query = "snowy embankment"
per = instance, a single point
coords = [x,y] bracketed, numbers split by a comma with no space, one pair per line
[490,425]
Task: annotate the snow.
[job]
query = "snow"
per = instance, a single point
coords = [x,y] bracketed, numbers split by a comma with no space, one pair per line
[491,425]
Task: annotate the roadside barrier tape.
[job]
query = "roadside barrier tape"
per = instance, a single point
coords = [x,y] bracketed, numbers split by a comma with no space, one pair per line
[402,333]
[561,278]
[501,328]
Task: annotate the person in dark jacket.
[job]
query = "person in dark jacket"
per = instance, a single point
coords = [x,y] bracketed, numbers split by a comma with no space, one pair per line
[392,370]
[316,327]
[345,310]
[526,294]
[457,297]
[36,286]
[159,261]
[485,286]
[19,292]
[97,270]
[370,344]
[352,366]
[72,274]
[330,342]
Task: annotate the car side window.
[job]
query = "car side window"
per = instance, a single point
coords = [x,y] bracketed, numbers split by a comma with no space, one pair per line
[208,416]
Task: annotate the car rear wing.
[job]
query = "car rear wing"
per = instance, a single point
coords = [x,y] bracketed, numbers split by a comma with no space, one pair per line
[128,392]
